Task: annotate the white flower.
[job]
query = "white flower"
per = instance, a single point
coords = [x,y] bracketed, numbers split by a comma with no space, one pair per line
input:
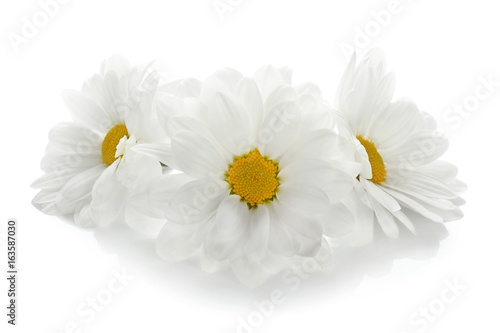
[92,164]
[259,171]
[398,146]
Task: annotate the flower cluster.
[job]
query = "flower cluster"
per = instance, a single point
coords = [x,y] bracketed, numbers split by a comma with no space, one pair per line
[254,174]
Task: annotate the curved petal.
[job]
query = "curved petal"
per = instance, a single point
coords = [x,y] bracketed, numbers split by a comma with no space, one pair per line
[413,205]
[268,79]
[183,88]
[138,220]
[117,64]
[385,219]
[306,225]
[108,197]
[158,151]
[78,188]
[338,220]
[230,123]
[382,197]
[87,111]
[82,215]
[231,222]
[72,137]
[364,218]
[324,144]
[180,241]
[364,90]
[319,174]
[301,197]
[248,93]
[282,240]
[280,128]
[224,79]
[197,156]
[258,234]
[197,200]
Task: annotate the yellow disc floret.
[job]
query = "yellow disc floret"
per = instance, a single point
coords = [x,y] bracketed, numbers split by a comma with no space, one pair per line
[253,177]
[108,148]
[379,173]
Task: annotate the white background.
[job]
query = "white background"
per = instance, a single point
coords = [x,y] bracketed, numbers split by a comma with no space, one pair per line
[439,51]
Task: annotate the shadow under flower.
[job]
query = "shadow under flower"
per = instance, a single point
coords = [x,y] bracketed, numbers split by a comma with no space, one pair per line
[351,265]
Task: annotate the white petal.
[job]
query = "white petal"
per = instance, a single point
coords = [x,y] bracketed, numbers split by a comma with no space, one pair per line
[71,137]
[268,79]
[430,185]
[196,156]
[345,84]
[309,89]
[319,174]
[108,197]
[249,95]
[302,197]
[69,162]
[425,185]
[308,247]
[225,237]
[229,77]
[282,240]
[158,151]
[413,205]
[87,111]
[338,220]
[364,217]
[417,149]
[230,124]
[279,95]
[135,168]
[361,157]
[279,129]
[53,180]
[161,190]
[102,90]
[394,124]
[117,64]
[385,219]
[249,273]
[445,209]
[225,79]
[177,242]
[258,233]
[314,144]
[166,107]
[286,74]
[141,221]
[405,220]
[82,215]
[45,196]
[364,90]
[447,174]
[78,188]
[189,87]
[305,225]
[45,202]
[209,264]
[196,200]
[382,197]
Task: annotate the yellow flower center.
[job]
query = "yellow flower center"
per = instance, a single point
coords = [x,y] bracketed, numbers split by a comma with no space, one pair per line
[111,140]
[253,177]
[379,173]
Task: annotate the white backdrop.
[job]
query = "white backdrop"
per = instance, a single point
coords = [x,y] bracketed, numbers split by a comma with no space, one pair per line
[84,280]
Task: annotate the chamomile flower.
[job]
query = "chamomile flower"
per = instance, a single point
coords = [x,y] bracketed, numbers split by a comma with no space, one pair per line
[398,146]
[93,163]
[257,157]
